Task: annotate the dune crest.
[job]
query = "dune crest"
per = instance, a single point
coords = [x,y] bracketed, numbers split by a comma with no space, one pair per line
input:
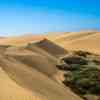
[21,40]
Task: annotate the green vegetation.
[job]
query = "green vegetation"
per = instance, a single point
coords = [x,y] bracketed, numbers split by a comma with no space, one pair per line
[85,80]
[75,60]
[82,73]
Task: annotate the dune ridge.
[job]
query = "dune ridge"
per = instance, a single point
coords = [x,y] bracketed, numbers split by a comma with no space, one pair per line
[74,36]
[87,41]
[21,40]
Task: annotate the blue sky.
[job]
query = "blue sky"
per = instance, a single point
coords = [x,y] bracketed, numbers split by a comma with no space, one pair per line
[41,16]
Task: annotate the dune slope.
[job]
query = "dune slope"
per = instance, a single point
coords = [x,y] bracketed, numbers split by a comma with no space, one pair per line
[87,41]
[9,90]
[35,81]
[51,48]
[20,40]
[28,76]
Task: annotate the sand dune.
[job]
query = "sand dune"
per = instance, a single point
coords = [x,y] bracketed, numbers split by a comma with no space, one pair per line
[9,90]
[88,41]
[33,79]
[28,65]
[30,69]
[32,59]
[20,40]
[73,36]
[51,48]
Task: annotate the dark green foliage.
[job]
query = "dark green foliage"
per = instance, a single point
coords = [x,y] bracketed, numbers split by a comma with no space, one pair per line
[75,60]
[86,80]
[63,66]
[82,73]
[67,67]
[96,61]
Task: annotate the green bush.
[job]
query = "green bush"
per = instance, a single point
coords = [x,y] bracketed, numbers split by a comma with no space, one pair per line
[86,80]
[75,60]
[82,72]
[63,66]
[96,61]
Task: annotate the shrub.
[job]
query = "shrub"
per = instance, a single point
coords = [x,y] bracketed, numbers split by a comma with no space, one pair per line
[96,61]
[82,73]
[84,81]
[63,66]
[75,60]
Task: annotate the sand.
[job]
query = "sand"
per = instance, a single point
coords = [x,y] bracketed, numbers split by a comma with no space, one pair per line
[20,40]
[28,64]
[86,41]
[27,73]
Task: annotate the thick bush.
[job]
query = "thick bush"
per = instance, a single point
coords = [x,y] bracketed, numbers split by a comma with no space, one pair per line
[82,73]
[75,60]
[86,80]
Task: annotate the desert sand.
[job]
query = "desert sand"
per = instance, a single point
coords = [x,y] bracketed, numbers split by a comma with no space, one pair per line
[86,41]
[28,64]
[28,70]
[20,40]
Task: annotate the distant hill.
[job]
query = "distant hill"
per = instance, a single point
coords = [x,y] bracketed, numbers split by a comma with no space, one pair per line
[20,40]
[88,41]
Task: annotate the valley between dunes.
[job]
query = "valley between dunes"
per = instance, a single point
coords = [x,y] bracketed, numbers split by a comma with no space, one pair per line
[28,65]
